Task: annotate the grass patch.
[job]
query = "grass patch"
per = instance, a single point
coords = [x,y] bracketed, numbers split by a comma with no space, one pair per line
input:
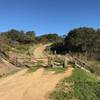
[33,69]
[56,70]
[80,86]
[36,66]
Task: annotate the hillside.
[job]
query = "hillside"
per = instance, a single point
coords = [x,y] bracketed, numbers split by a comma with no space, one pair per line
[24,85]
[41,71]
[6,67]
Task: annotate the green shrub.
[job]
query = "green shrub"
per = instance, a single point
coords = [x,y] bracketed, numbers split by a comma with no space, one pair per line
[81,86]
[56,70]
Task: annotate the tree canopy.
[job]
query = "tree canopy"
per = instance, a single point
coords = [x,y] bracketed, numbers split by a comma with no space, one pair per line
[51,37]
[19,36]
[81,40]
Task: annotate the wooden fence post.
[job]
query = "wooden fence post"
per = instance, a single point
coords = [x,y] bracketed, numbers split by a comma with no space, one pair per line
[65,62]
[16,61]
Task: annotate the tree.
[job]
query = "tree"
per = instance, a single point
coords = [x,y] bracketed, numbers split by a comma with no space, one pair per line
[30,36]
[15,35]
[51,37]
[20,36]
[83,40]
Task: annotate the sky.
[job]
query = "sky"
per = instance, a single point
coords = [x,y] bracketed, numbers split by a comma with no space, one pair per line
[49,16]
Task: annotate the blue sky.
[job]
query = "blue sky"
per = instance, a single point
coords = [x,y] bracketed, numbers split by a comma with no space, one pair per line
[49,16]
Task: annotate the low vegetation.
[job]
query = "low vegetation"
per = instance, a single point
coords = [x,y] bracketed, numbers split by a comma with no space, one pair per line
[33,69]
[56,70]
[95,68]
[36,66]
[80,86]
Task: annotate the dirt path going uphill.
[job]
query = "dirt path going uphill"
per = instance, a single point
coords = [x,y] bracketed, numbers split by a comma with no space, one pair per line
[30,86]
[38,52]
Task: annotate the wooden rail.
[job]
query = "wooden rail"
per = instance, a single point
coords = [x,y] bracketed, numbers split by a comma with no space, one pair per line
[81,64]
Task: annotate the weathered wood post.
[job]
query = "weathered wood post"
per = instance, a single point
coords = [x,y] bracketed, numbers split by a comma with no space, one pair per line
[55,52]
[65,61]
[16,61]
[49,61]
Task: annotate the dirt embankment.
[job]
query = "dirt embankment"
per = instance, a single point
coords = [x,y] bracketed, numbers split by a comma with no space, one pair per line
[6,67]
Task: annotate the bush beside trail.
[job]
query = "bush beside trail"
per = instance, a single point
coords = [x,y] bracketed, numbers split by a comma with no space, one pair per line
[80,86]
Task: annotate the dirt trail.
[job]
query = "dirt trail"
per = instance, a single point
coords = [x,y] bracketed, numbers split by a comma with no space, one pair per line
[38,52]
[30,86]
